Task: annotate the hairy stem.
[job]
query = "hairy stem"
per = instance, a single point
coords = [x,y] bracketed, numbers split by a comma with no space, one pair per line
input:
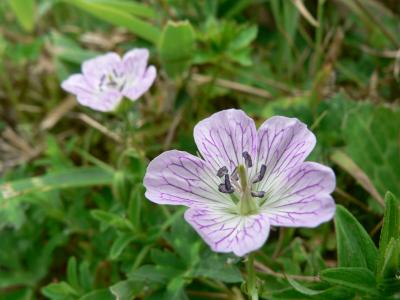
[251,278]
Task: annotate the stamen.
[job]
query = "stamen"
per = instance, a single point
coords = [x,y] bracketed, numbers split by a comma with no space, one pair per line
[259,194]
[222,188]
[226,186]
[221,172]
[102,78]
[247,159]
[261,174]
[234,175]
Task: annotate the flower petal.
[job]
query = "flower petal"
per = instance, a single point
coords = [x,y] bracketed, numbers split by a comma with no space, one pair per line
[77,84]
[179,178]
[134,90]
[223,137]
[228,232]
[283,143]
[135,63]
[300,197]
[93,69]
[87,96]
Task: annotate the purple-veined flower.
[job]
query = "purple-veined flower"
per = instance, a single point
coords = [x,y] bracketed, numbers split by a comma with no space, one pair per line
[107,78]
[246,180]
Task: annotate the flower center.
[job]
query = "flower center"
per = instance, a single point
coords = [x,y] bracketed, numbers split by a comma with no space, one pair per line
[238,183]
[112,81]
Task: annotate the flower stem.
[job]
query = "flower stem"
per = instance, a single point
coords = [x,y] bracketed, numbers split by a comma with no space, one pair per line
[251,278]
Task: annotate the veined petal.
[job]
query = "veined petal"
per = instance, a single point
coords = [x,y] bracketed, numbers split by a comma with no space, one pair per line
[77,84]
[135,63]
[101,101]
[283,143]
[179,178]
[93,69]
[300,197]
[88,96]
[223,137]
[136,89]
[228,232]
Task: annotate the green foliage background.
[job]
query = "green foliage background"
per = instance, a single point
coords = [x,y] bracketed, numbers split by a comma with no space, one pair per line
[74,222]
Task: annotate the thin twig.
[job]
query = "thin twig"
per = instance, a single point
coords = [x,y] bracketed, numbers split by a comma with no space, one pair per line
[93,123]
[264,269]
[202,79]
[56,114]
[171,132]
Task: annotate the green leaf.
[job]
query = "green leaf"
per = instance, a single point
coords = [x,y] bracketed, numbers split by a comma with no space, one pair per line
[391,224]
[360,279]
[58,291]
[72,178]
[302,289]
[24,10]
[128,6]
[176,47]
[354,246]
[120,244]
[371,135]
[72,273]
[111,219]
[154,274]
[98,295]
[217,267]
[244,38]
[389,268]
[127,289]
[119,17]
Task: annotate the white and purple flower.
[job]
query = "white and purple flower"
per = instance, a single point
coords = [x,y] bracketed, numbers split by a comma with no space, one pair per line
[107,78]
[247,181]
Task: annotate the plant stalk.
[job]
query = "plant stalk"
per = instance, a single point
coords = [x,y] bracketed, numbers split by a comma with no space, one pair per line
[251,278]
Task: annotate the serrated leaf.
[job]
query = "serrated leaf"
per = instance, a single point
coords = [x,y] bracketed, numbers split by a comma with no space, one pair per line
[361,279]
[176,47]
[354,246]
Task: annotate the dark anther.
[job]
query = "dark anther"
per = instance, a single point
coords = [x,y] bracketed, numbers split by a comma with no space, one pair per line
[221,172]
[259,194]
[247,159]
[235,175]
[226,186]
[261,174]
[222,188]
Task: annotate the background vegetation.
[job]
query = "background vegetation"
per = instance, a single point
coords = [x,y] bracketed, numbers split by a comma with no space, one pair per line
[74,223]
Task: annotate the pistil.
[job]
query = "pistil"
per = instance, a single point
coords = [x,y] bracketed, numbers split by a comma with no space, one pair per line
[247,205]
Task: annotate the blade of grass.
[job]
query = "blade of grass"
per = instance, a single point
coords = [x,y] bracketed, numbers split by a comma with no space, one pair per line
[121,18]
[72,178]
